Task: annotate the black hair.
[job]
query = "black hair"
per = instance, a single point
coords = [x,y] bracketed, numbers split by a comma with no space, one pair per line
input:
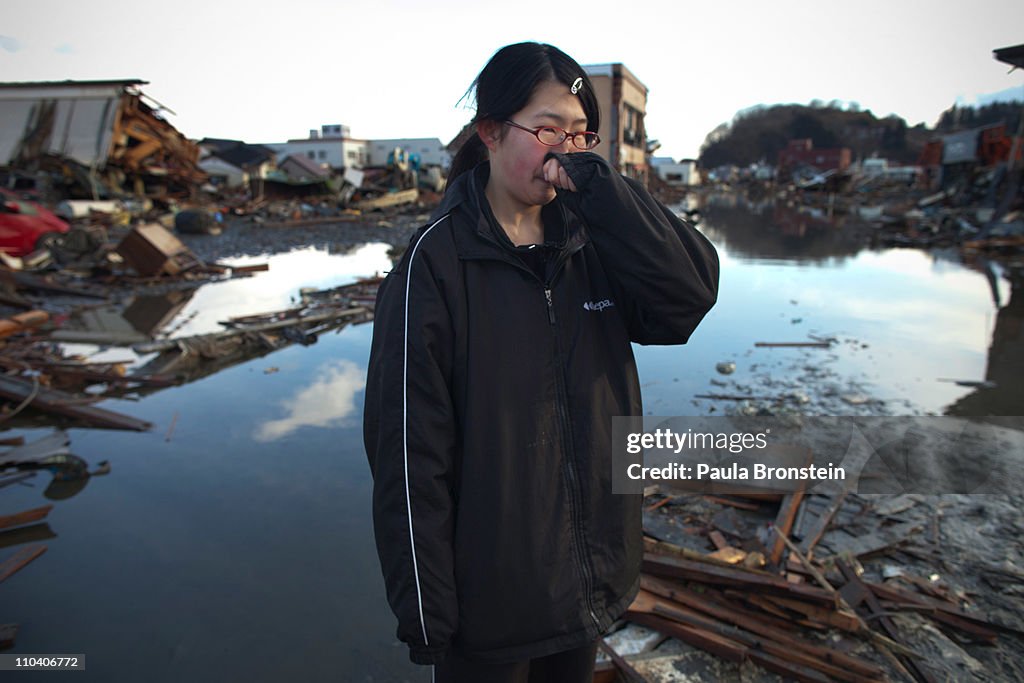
[505,86]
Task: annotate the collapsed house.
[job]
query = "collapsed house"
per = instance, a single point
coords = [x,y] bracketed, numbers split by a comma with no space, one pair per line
[93,139]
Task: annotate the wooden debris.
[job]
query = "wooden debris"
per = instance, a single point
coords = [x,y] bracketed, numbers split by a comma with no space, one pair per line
[787,514]
[153,250]
[682,568]
[737,397]
[13,564]
[26,517]
[732,502]
[941,611]
[883,539]
[718,540]
[60,403]
[812,344]
[628,672]
[388,199]
[729,555]
[755,624]
[810,536]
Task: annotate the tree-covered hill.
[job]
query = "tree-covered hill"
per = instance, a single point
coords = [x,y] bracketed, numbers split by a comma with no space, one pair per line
[759,133]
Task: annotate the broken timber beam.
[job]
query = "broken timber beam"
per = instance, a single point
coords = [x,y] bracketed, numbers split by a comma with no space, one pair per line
[13,564]
[53,401]
[682,568]
[21,518]
[756,624]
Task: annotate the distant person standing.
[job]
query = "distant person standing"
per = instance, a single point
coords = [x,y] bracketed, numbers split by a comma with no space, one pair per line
[501,351]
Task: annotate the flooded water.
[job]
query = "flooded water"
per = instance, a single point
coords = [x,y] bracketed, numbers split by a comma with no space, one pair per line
[234,541]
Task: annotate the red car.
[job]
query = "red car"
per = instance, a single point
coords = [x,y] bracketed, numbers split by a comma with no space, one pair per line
[26,226]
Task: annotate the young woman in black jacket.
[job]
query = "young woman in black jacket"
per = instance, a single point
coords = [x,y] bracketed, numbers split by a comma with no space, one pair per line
[501,351]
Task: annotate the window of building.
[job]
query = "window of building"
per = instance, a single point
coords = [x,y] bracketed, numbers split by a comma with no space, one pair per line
[352,154]
[321,154]
[311,154]
[633,127]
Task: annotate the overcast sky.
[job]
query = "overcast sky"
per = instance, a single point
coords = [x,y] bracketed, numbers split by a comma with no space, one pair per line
[266,72]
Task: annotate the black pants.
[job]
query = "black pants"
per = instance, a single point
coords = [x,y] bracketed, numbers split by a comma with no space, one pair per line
[571,666]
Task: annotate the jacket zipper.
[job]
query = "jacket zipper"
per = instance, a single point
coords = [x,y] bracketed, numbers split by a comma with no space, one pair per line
[575,490]
[575,487]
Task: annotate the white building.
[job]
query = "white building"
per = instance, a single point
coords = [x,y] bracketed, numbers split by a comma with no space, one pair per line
[682,173]
[430,150]
[337,153]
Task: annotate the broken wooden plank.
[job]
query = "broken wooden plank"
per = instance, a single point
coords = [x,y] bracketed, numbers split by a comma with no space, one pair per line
[718,540]
[725,648]
[932,607]
[60,403]
[13,564]
[857,594]
[820,524]
[813,345]
[722,500]
[829,617]
[755,624]
[628,672]
[784,520]
[731,396]
[726,575]
[25,517]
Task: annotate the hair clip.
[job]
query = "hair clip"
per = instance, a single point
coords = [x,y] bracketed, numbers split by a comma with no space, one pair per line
[577,85]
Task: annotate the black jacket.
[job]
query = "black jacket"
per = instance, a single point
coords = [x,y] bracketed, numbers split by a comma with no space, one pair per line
[489,400]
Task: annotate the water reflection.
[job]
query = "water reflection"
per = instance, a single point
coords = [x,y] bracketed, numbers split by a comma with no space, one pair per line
[137,320]
[777,231]
[325,403]
[1003,391]
[53,454]
[906,320]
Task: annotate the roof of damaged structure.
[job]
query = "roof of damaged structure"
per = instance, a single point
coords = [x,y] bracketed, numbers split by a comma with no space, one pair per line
[219,144]
[96,124]
[1014,55]
[244,155]
[74,84]
[306,167]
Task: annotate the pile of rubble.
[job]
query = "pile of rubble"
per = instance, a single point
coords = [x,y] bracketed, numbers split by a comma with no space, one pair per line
[833,586]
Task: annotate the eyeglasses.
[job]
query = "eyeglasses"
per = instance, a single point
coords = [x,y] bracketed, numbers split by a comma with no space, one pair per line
[553,136]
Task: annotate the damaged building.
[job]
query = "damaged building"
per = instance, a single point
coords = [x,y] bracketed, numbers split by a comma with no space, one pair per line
[93,139]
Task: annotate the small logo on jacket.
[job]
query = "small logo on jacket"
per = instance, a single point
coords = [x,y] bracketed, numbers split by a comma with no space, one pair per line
[598,305]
